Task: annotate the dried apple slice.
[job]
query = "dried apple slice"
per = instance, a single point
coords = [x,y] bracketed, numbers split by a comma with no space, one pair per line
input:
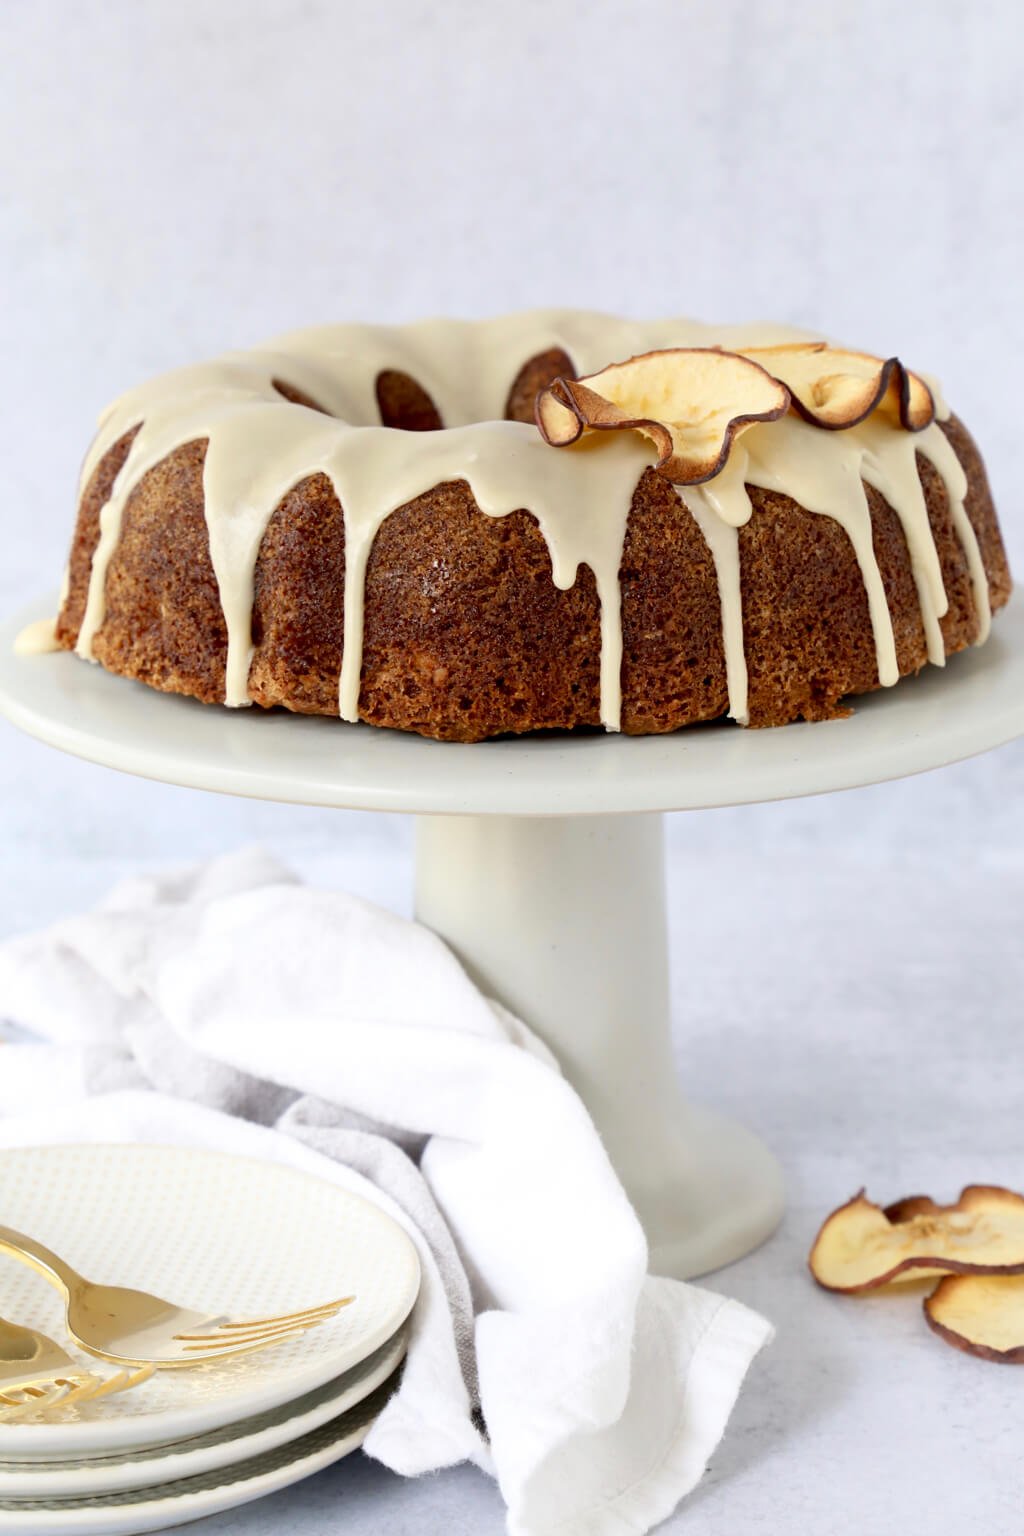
[692,402]
[912,1205]
[835,388]
[861,1246]
[980,1314]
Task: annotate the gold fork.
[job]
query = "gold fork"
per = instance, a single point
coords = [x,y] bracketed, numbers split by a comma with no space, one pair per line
[37,1376]
[136,1328]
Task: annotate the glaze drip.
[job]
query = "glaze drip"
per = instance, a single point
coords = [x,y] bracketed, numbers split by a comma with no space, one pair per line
[259,447]
[37,639]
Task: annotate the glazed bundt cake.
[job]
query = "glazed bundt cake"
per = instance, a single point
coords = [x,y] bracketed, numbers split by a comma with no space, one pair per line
[369,522]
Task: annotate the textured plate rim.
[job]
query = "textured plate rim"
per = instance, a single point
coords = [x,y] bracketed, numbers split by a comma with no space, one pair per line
[167,1504]
[111,1435]
[151,1465]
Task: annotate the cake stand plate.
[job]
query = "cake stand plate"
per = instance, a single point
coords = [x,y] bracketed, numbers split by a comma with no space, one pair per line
[551,895]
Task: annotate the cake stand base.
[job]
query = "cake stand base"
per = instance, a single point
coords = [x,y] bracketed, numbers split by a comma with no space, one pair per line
[562,919]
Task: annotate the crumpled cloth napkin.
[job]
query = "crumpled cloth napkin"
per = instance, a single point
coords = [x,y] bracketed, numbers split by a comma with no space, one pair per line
[229,1006]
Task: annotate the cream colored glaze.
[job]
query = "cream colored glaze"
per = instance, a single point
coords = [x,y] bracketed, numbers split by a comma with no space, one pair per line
[723,539]
[260,447]
[40,638]
[37,639]
[942,410]
[934,445]
[825,472]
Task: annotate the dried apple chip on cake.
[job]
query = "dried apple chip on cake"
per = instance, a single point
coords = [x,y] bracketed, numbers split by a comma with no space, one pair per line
[836,388]
[691,402]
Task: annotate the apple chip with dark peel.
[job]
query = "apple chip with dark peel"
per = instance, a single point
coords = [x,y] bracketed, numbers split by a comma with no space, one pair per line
[834,388]
[861,1246]
[691,402]
[911,1205]
[981,1314]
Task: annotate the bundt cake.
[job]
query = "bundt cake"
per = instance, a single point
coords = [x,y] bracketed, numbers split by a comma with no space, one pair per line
[369,522]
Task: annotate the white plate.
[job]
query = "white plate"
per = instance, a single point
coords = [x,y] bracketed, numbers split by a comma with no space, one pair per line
[93,1475]
[154,1509]
[206,1231]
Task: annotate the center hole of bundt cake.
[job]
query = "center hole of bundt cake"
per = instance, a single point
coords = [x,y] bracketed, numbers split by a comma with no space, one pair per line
[405,405]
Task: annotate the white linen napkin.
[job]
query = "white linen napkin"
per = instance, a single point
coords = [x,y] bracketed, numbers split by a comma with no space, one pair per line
[230,1007]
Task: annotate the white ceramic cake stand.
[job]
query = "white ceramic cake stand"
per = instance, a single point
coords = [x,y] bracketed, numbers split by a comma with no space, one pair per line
[530,867]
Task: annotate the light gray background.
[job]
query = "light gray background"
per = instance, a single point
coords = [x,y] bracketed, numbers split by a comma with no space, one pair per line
[180,177]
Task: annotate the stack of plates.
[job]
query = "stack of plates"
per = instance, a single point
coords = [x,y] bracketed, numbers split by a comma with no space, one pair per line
[221,1234]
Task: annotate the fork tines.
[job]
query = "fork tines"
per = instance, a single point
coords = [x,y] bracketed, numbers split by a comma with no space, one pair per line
[60,1392]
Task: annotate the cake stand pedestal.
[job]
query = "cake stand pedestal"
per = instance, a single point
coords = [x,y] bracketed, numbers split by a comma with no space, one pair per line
[540,861]
[563,920]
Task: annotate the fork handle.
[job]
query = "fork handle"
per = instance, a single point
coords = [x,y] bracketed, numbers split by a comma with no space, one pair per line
[50,1265]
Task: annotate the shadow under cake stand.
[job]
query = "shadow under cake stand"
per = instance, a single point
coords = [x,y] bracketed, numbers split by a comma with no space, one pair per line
[540,861]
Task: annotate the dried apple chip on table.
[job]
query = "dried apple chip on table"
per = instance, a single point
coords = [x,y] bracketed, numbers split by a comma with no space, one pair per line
[862,1246]
[835,388]
[981,1314]
[691,402]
